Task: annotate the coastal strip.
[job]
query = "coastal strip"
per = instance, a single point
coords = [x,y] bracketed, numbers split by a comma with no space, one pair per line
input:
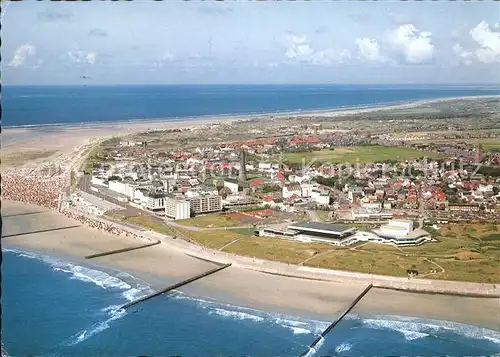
[175,286]
[337,320]
[123,250]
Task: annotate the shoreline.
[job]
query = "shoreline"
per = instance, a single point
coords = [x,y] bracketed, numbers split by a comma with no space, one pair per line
[241,286]
[209,118]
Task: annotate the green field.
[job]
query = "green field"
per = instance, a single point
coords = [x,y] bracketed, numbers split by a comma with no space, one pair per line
[214,239]
[210,220]
[412,111]
[244,231]
[276,249]
[490,143]
[362,154]
[143,221]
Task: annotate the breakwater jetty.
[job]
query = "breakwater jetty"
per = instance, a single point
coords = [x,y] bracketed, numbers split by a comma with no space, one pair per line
[175,286]
[337,320]
[123,250]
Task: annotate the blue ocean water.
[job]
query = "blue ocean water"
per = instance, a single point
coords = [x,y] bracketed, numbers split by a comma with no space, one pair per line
[38,105]
[55,308]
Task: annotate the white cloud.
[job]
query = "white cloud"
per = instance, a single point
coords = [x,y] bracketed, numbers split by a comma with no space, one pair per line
[368,49]
[21,55]
[488,50]
[464,56]
[82,57]
[300,50]
[415,46]
[489,42]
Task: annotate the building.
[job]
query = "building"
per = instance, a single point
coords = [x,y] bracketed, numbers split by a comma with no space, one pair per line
[155,201]
[312,232]
[177,208]
[321,197]
[122,187]
[397,232]
[231,184]
[291,189]
[401,233]
[205,204]
[463,207]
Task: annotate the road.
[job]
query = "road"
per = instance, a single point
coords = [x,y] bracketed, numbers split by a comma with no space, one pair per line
[313,216]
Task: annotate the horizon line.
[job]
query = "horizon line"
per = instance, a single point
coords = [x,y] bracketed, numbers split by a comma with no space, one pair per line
[253,84]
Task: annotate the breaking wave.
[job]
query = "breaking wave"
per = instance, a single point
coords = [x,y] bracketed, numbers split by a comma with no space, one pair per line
[416,328]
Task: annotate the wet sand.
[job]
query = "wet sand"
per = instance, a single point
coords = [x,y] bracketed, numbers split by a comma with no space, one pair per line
[164,264]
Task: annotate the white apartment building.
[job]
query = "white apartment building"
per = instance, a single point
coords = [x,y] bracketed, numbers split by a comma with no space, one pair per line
[155,201]
[320,197]
[123,188]
[177,208]
[291,189]
[205,204]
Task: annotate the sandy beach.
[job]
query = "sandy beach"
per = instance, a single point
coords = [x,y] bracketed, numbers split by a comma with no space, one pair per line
[164,264]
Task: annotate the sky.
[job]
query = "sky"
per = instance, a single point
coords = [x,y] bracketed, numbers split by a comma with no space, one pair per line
[248,42]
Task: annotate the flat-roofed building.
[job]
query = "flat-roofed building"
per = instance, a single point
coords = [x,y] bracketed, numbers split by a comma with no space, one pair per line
[336,234]
[177,208]
[205,204]
[156,201]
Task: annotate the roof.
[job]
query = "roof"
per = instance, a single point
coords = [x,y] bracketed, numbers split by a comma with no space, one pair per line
[230,180]
[321,227]
[156,194]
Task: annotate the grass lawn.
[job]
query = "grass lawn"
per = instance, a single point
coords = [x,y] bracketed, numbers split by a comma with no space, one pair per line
[490,143]
[375,262]
[244,231]
[365,154]
[214,239]
[467,252]
[323,215]
[277,249]
[147,222]
[213,220]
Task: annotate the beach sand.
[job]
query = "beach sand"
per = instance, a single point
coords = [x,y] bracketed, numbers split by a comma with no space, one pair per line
[164,264]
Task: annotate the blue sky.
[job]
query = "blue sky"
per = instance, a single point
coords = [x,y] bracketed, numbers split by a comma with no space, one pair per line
[174,42]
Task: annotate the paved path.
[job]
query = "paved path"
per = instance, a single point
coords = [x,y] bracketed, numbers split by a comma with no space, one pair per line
[313,216]
[197,229]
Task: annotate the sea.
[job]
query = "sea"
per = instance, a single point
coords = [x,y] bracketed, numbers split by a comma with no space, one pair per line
[84,103]
[53,307]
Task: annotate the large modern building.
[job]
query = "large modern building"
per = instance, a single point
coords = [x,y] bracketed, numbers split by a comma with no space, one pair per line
[401,232]
[177,208]
[396,232]
[312,232]
[205,204]
[155,201]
